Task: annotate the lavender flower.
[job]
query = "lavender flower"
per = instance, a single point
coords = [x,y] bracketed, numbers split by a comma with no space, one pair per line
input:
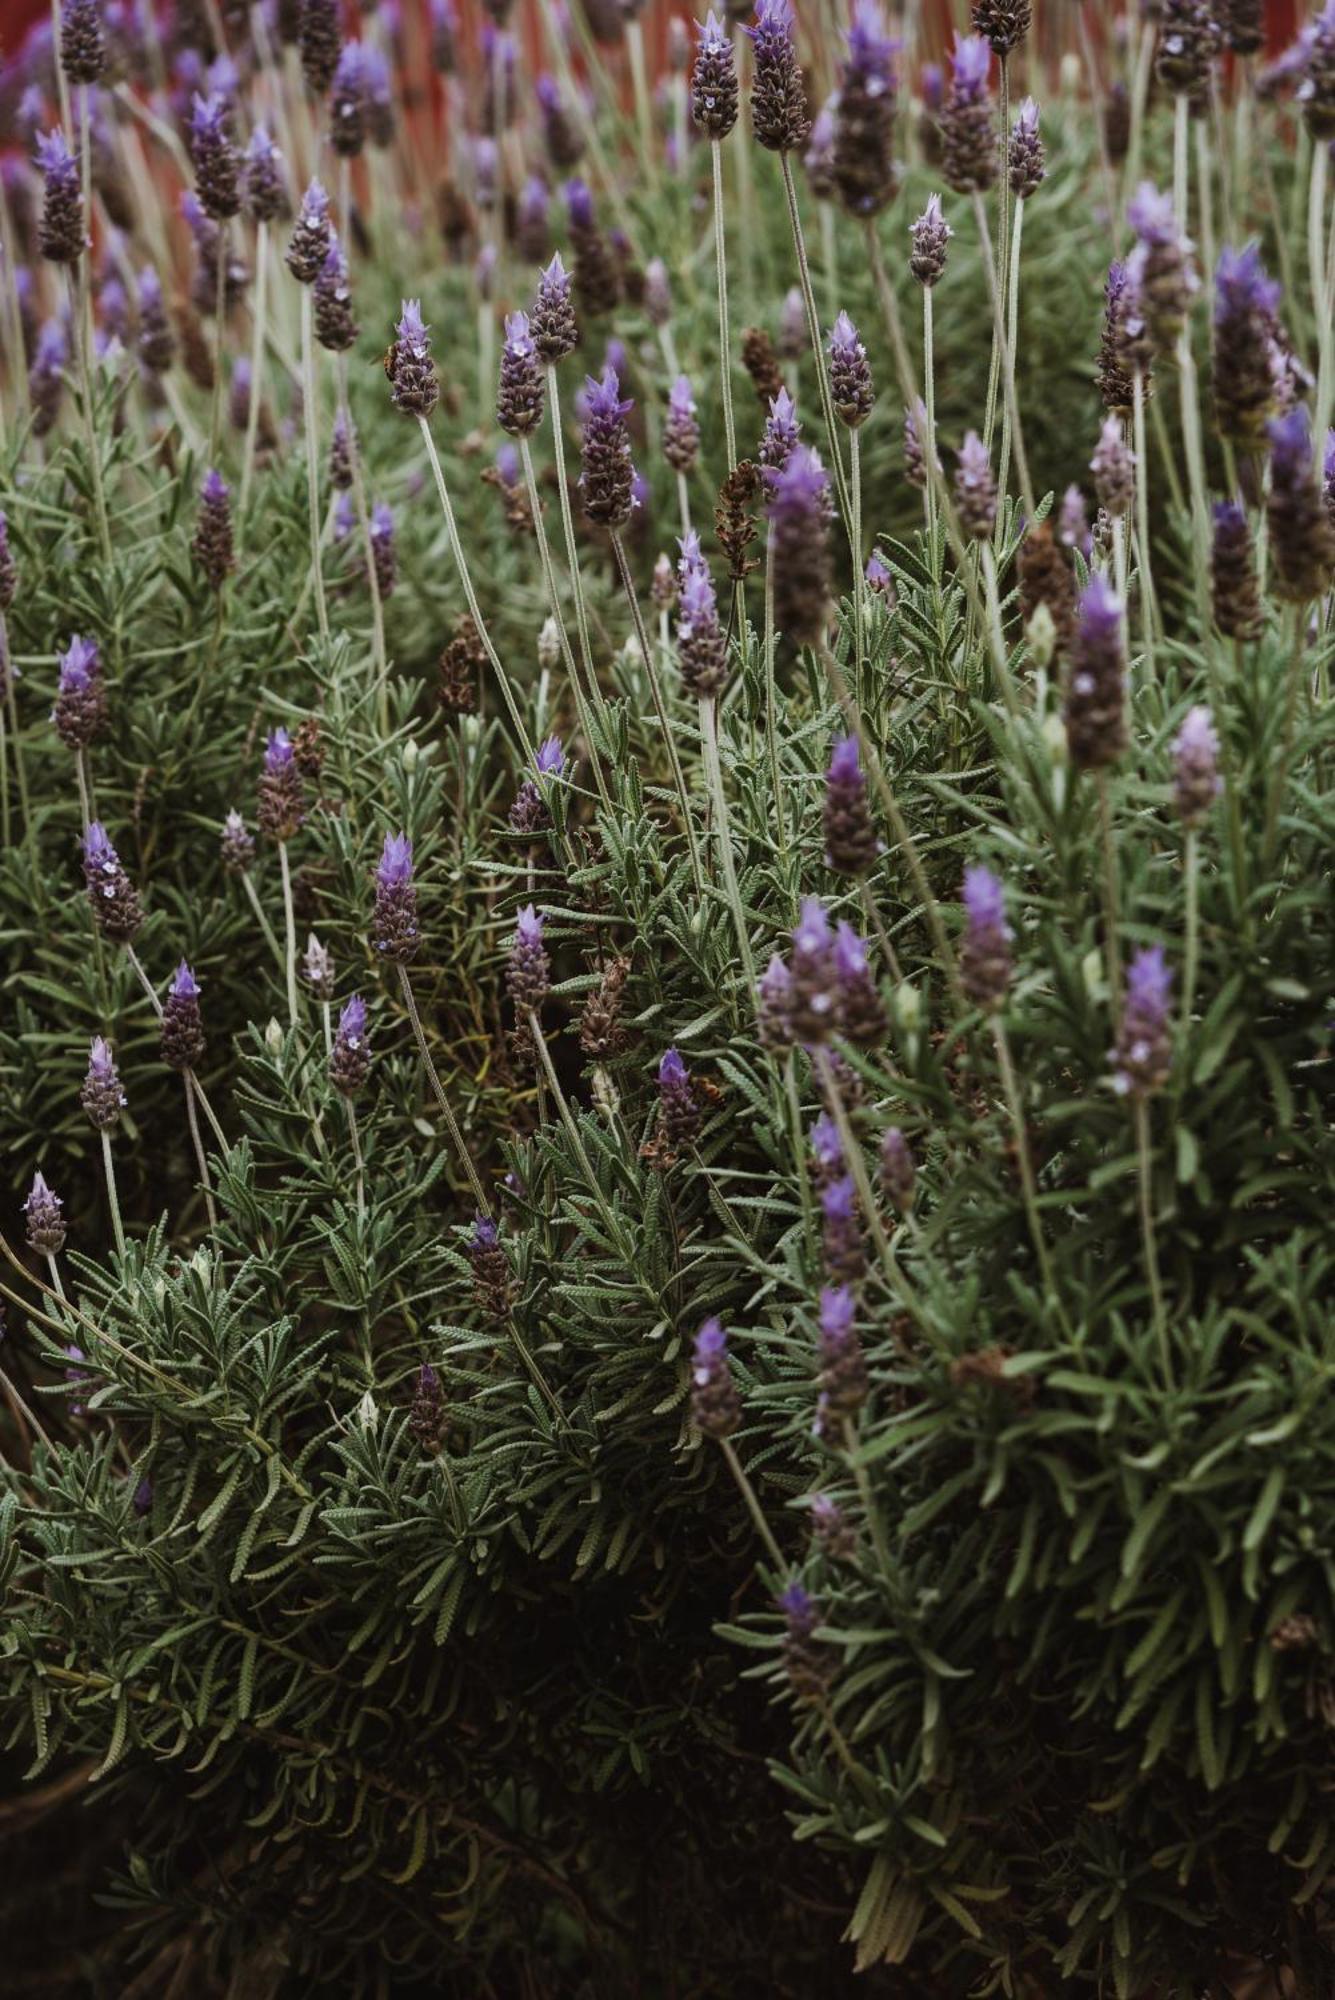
[799,526]
[394,920]
[265,194]
[335,328]
[1002,23]
[915,455]
[714,80]
[1302,538]
[519,398]
[968,127]
[1116,367]
[530,813]
[384,556]
[899,1172]
[46,377]
[46,1225]
[101,1094]
[862,1016]
[1025,160]
[212,543]
[975,489]
[1316,90]
[986,965]
[678,1107]
[834,1534]
[1114,470]
[311,235]
[862,165]
[681,428]
[350,1056]
[1234,590]
[879,579]
[426,1415]
[827,1151]
[850,374]
[702,644]
[782,433]
[491,1273]
[606,470]
[1096,686]
[412,372]
[778,92]
[793,325]
[80,711]
[156,342]
[814,976]
[552,321]
[657,292]
[597,274]
[281,809]
[318,43]
[533,234]
[818,159]
[1196,780]
[1244,328]
[83,45]
[842,1247]
[1144,1052]
[808,1664]
[851,844]
[775,1005]
[561,130]
[347,102]
[214,157]
[1159,273]
[317,969]
[181,1034]
[112,898]
[1188,38]
[931,233]
[61,234]
[716,1407]
[1073,523]
[528,974]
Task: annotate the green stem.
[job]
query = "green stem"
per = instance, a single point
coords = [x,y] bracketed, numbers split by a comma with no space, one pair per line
[358,1166]
[1146,1188]
[1111,945]
[747,1491]
[256,364]
[1318,279]
[312,458]
[192,1118]
[438,1090]
[725,344]
[817,350]
[1147,604]
[1005,359]
[1012,335]
[1191,869]
[112,1202]
[1028,1183]
[660,706]
[549,578]
[290,934]
[572,555]
[379,657]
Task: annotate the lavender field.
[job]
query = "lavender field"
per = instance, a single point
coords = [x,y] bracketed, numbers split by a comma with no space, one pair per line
[667,1001]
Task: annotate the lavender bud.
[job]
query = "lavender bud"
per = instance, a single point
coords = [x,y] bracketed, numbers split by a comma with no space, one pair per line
[814,979]
[850,374]
[552,321]
[862,164]
[181,1034]
[782,433]
[1196,780]
[862,1016]
[1095,713]
[1073,523]
[80,711]
[412,372]
[342,443]
[335,328]
[533,234]
[384,555]
[968,127]
[46,1225]
[1188,39]
[281,809]
[62,236]
[212,543]
[986,966]
[915,456]
[317,969]
[597,276]
[1302,539]
[562,130]
[842,1247]
[778,90]
[793,325]
[834,1534]
[657,292]
[851,845]
[347,103]
[394,921]
[214,157]
[775,1005]
[528,974]
[1115,370]
[101,1096]
[426,1414]
[827,1152]
[157,345]
[931,233]
[681,428]
[714,80]
[975,489]
[519,398]
[879,580]
[491,1273]
[311,236]
[237,846]
[83,45]
[1316,90]
[716,1407]
[702,644]
[799,527]
[1144,1052]
[265,194]
[809,1665]
[1244,329]
[1234,591]
[1002,23]
[143,1498]
[350,1057]
[899,1173]
[112,897]
[530,813]
[818,159]
[1159,273]
[678,1109]
[606,470]
[1026,162]
[318,43]
[1114,470]
[843,1367]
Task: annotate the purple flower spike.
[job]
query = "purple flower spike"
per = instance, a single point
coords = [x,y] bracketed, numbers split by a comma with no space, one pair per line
[842,1247]
[1196,780]
[46,1225]
[681,427]
[1302,537]
[83,42]
[350,1057]
[348,102]
[528,974]
[552,321]
[775,1005]
[550,758]
[716,1407]
[102,1097]
[1245,328]
[394,921]
[986,966]
[309,243]
[815,975]
[62,235]
[212,543]
[678,1106]
[862,160]
[862,1017]
[606,469]
[782,432]
[851,844]
[1096,732]
[975,489]
[779,116]
[265,194]
[827,1151]
[968,131]
[1025,160]
[112,898]
[519,398]
[931,233]
[1144,1052]
[80,710]
[850,373]
[214,157]
[714,80]
[702,643]
[181,1035]
[412,375]
[799,523]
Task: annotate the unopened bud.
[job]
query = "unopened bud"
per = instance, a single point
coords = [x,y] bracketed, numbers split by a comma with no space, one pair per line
[1041,635]
[549,645]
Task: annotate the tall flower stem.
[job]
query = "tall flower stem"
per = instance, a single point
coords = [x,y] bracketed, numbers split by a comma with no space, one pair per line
[1145,1180]
[817,354]
[553,599]
[1280,767]
[262,920]
[192,1118]
[256,364]
[1111,901]
[1006,359]
[475,609]
[113,1203]
[1195,453]
[856,1163]
[1003,225]
[219,333]
[1319,279]
[996,637]
[660,706]
[772,701]
[572,554]
[929,404]
[379,657]
[1181,155]
[82,307]
[718,799]
[1147,603]
[724,340]
[438,1090]
[1015,1105]
[358,1166]
[1191,889]
[859,575]
[312,457]
[1012,336]
[290,934]
[748,1493]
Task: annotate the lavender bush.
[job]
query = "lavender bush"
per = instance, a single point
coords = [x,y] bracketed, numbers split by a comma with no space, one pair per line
[666,803]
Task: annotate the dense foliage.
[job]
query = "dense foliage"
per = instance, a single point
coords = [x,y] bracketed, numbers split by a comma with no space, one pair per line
[673,1477]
